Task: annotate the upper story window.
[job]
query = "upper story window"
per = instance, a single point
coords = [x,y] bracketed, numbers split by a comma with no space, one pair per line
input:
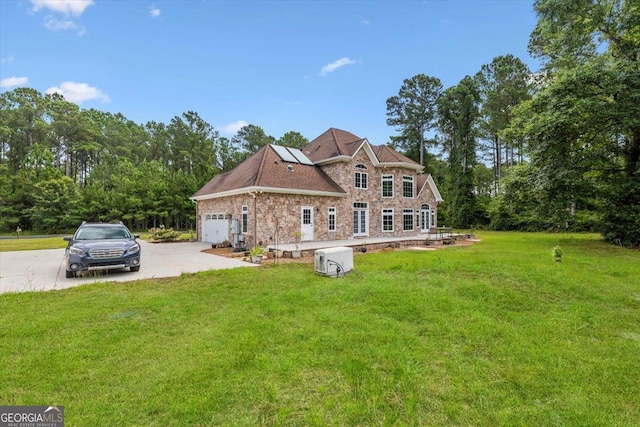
[407,186]
[361,178]
[387,185]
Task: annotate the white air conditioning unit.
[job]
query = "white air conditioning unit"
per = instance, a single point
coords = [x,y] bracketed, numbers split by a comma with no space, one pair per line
[334,262]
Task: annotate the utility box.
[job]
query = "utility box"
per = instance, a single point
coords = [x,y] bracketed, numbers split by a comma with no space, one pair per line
[334,262]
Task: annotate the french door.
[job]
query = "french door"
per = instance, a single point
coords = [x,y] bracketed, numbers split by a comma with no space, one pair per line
[360,219]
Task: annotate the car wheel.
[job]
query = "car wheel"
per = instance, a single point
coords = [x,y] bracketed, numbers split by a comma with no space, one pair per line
[69,274]
[135,268]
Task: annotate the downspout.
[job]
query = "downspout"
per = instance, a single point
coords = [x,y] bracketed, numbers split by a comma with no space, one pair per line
[255,218]
[197,230]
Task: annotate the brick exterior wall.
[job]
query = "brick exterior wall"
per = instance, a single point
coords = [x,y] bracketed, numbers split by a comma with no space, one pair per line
[266,210]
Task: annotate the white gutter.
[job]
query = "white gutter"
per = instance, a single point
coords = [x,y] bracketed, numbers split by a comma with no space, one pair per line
[434,189]
[256,189]
[333,160]
[405,165]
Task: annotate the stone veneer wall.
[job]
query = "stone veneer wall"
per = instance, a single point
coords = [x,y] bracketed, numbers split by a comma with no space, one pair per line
[281,210]
[285,210]
[343,174]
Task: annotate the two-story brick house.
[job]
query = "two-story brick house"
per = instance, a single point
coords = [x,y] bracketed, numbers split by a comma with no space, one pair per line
[337,187]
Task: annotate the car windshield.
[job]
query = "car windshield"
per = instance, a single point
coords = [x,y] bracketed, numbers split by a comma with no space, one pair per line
[102,233]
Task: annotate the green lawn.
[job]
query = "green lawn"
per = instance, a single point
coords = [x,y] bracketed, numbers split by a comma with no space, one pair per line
[30,244]
[492,334]
[37,243]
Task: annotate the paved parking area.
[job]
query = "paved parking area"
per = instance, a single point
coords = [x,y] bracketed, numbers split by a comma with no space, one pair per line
[43,270]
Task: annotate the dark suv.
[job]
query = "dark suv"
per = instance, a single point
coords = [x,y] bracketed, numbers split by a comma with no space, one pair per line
[101,246]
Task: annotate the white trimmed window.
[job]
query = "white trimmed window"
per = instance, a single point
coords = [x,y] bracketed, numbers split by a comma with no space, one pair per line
[245,218]
[387,219]
[387,185]
[407,219]
[407,186]
[361,178]
[332,219]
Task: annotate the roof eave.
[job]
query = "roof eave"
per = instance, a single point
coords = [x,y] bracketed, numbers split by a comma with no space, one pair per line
[434,188]
[336,159]
[406,165]
[367,149]
[259,189]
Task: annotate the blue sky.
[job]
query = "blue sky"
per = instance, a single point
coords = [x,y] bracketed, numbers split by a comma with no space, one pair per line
[302,66]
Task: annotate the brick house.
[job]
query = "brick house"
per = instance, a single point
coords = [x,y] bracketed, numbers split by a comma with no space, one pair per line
[337,187]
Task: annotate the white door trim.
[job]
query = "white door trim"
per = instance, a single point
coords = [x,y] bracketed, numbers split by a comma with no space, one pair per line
[361,220]
[425,218]
[306,223]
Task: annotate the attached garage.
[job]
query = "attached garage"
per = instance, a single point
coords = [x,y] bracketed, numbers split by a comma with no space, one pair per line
[215,228]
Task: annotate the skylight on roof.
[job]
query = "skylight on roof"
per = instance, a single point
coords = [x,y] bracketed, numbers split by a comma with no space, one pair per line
[284,153]
[291,155]
[300,156]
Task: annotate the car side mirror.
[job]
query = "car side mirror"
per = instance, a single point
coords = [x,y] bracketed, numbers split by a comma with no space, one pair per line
[136,236]
[67,238]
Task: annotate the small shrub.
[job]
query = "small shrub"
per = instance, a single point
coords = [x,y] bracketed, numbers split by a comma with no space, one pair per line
[163,234]
[257,251]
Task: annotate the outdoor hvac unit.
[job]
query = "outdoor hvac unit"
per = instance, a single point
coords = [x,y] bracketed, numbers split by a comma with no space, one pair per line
[334,262]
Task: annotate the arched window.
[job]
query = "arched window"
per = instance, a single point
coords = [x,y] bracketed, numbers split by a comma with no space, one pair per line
[361,179]
[426,218]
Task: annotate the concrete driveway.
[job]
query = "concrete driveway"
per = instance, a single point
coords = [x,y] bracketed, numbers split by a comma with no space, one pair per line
[27,271]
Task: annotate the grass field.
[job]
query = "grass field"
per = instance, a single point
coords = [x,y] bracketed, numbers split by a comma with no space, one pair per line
[37,243]
[30,244]
[492,334]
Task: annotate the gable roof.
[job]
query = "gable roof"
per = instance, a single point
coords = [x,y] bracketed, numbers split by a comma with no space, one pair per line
[266,171]
[339,145]
[387,154]
[426,180]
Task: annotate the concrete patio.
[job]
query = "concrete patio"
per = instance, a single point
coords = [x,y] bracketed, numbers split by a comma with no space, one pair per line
[442,236]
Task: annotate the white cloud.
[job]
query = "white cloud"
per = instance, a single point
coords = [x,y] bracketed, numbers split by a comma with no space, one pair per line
[78,92]
[7,60]
[155,12]
[365,22]
[59,24]
[234,127]
[13,81]
[66,7]
[330,68]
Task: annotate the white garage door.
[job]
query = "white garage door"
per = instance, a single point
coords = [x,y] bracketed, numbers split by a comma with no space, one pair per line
[216,228]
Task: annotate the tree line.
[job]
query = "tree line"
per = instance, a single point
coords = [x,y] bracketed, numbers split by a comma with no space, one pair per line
[60,164]
[511,148]
[563,143]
